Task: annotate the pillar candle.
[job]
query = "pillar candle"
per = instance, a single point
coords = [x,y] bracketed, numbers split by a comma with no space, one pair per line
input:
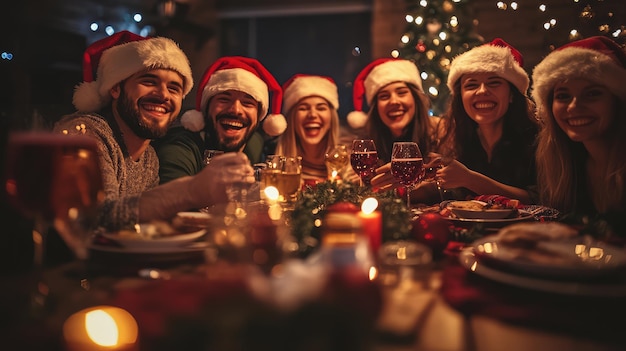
[372,221]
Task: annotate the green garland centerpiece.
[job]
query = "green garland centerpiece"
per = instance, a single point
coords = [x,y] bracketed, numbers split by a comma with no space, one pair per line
[312,202]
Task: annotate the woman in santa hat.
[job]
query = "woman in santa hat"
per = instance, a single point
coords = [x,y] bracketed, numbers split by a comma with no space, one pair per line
[580,94]
[310,104]
[399,111]
[491,125]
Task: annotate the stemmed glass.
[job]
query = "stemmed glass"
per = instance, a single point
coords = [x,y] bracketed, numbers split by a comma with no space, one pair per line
[407,166]
[364,159]
[55,180]
[336,160]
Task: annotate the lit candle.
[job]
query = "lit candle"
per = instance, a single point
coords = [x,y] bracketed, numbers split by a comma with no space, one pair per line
[101,328]
[372,223]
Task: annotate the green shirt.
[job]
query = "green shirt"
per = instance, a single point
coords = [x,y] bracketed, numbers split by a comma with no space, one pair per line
[181,152]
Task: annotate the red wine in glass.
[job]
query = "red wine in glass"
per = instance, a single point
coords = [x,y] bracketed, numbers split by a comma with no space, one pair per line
[407,166]
[408,171]
[55,179]
[364,164]
[364,159]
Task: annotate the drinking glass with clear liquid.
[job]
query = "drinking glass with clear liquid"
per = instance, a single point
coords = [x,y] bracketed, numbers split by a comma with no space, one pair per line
[336,161]
[283,173]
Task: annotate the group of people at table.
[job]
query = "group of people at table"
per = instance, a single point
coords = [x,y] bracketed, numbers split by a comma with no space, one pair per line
[559,146]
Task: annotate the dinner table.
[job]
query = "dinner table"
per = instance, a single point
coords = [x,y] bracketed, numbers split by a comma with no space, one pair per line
[441,305]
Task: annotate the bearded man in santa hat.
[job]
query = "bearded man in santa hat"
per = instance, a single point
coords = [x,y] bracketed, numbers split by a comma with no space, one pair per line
[132,92]
[231,115]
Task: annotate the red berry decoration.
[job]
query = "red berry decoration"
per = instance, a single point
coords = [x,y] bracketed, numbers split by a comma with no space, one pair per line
[432,230]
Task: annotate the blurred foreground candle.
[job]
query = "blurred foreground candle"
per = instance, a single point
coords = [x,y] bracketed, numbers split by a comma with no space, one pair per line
[372,223]
[101,328]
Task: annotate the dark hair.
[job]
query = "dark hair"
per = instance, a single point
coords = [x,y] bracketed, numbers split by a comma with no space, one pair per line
[418,130]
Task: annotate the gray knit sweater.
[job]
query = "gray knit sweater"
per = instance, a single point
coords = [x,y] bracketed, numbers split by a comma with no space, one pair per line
[124,179]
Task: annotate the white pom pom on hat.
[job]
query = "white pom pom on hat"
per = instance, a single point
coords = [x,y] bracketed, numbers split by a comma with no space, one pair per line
[242,74]
[598,59]
[373,77]
[111,60]
[497,57]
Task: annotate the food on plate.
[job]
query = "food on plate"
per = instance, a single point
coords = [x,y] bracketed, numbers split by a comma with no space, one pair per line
[529,234]
[188,221]
[467,205]
[527,241]
[152,230]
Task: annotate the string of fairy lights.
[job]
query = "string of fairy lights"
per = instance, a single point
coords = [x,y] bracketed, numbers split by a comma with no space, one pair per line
[439,30]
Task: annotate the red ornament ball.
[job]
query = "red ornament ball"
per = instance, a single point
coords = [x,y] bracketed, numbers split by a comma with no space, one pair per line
[432,230]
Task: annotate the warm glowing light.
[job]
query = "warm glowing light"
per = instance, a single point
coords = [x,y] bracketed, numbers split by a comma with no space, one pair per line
[433,91]
[443,35]
[542,8]
[424,75]
[408,18]
[454,21]
[501,5]
[423,3]
[395,53]
[137,17]
[369,205]
[373,273]
[419,20]
[101,328]
[93,26]
[514,5]
[546,26]
[405,39]
[553,22]
[271,193]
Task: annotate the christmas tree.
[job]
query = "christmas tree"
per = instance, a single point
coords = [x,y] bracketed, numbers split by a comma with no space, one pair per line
[437,31]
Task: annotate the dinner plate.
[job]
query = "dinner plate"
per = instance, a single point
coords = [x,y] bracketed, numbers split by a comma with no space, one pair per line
[494,222]
[154,242]
[578,258]
[478,213]
[471,261]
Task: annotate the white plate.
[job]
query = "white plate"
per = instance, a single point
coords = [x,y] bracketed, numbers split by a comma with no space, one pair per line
[169,241]
[522,216]
[190,248]
[469,260]
[482,214]
[581,257]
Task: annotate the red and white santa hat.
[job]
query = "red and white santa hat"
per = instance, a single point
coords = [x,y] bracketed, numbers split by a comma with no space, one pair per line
[598,59]
[243,74]
[497,57]
[303,85]
[113,59]
[376,75]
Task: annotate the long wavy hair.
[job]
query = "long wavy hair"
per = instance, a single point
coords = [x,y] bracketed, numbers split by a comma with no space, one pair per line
[419,130]
[289,144]
[519,119]
[561,165]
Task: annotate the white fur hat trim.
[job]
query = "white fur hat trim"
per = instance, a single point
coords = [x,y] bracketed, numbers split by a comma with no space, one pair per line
[490,59]
[305,86]
[122,61]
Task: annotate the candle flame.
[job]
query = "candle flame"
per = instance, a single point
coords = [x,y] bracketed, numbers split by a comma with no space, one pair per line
[369,205]
[271,192]
[101,328]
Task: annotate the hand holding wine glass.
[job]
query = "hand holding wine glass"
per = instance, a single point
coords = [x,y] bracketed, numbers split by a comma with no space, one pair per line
[407,166]
[364,159]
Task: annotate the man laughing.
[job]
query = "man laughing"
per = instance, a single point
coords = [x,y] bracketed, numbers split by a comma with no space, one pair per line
[232,101]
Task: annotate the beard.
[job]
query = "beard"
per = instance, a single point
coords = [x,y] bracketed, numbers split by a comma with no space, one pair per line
[227,143]
[142,127]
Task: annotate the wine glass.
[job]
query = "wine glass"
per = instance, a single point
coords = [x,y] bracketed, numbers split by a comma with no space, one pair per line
[336,160]
[407,166]
[55,179]
[364,159]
